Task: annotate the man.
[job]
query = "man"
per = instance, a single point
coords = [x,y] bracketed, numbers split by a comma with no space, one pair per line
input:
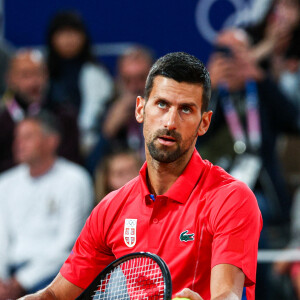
[26,84]
[133,68]
[120,129]
[176,193]
[44,203]
[243,93]
[250,113]
[26,80]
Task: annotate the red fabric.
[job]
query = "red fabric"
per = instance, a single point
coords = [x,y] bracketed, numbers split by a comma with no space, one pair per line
[295,269]
[206,218]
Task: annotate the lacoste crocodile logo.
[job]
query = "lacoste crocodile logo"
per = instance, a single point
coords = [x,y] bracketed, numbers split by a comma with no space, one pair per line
[186,237]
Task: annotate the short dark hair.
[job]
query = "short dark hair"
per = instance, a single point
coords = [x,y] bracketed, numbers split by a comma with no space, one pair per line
[48,121]
[182,67]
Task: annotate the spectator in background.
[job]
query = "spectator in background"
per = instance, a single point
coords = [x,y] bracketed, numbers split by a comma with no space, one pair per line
[26,80]
[249,114]
[116,169]
[119,128]
[44,204]
[76,80]
[120,125]
[276,36]
[276,48]
[238,86]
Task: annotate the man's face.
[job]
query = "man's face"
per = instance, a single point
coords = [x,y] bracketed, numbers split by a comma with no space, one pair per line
[27,77]
[133,74]
[172,119]
[234,59]
[31,143]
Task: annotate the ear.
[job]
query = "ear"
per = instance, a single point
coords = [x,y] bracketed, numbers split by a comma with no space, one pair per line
[139,109]
[206,119]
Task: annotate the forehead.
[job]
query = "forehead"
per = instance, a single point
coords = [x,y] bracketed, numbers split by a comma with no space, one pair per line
[120,160]
[172,90]
[134,65]
[25,62]
[28,126]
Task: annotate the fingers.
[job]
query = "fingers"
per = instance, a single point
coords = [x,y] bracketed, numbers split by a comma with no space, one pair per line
[187,293]
[220,68]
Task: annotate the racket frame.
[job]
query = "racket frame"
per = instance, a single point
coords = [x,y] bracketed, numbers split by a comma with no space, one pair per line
[90,290]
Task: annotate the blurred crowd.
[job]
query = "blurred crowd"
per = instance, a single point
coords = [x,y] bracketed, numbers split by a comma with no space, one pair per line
[69,137]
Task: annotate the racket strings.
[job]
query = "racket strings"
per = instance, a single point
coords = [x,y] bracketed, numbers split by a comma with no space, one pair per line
[136,279]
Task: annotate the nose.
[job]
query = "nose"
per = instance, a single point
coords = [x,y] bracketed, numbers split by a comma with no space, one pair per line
[171,119]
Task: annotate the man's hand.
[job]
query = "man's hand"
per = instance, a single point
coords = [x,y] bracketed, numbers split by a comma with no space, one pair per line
[187,293]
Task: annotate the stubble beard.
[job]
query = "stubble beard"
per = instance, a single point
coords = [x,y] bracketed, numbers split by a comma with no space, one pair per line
[163,154]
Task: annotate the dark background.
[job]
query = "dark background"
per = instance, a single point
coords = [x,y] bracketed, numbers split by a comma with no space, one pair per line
[163,25]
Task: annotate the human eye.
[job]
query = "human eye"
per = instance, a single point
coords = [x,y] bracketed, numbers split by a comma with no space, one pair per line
[162,104]
[186,109]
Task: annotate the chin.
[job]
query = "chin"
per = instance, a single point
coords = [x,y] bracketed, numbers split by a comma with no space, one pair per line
[20,159]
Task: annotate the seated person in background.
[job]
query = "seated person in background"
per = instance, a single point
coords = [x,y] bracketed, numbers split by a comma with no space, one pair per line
[25,94]
[115,170]
[43,206]
[119,127]
[249,114]
[276,47]
[77,81]
[26,82]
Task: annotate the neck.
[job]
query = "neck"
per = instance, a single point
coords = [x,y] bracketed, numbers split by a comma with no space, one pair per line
[39,168]
[161,176]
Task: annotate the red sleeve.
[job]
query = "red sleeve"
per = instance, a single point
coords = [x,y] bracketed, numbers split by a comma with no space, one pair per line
[89,255]
[236,223]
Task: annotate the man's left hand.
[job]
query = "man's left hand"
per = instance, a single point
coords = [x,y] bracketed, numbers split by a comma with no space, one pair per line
[187,293]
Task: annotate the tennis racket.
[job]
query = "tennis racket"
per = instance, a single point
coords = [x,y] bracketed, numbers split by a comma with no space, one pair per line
[136,276]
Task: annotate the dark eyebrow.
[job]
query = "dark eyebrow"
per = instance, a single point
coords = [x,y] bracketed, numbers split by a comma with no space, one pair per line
[188,104]
[191,104]
[157,98]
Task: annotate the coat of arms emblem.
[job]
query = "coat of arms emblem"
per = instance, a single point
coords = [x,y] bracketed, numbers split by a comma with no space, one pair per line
[130,232]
